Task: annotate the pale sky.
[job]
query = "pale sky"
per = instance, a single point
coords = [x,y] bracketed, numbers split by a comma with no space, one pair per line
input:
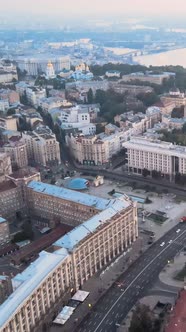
[102,7]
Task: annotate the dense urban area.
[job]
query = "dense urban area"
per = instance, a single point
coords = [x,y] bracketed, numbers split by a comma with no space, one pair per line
[92,182]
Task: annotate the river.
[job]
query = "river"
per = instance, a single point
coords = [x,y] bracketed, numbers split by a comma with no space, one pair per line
[176,57]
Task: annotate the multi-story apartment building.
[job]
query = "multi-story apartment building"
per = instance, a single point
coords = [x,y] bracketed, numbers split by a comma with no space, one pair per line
[34,95]
[163,157]
[53,102]
[76,257]
[52,201]
[4,231]
[18,152]
[5,287]
[42,146]
[21,88]
[36,290]
[88,150]
[5,166]
[11,200]
[4,105]
[7,77]
[76,118]
[8,123]
[38,64]
[149,76]
[101,238]
[10,95]
[133,90]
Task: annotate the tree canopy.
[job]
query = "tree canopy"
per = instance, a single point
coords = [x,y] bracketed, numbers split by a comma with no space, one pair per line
[143,320]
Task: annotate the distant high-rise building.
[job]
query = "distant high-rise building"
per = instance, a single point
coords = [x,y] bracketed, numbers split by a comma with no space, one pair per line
[34,66]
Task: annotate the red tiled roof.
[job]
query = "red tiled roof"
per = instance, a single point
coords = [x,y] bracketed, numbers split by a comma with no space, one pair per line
[177,321]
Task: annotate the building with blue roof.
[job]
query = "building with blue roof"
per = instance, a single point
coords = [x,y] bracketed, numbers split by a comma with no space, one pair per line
[63,203]
[77,184]
[75,257]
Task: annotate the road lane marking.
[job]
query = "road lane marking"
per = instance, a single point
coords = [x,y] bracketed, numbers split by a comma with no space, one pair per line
[152,261]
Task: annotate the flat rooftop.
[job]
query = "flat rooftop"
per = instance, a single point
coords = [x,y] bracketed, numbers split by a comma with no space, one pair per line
[28,280]
[70,195]
[73,238]
[155,145]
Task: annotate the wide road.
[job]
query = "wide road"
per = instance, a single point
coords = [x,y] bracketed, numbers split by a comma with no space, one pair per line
[137,280]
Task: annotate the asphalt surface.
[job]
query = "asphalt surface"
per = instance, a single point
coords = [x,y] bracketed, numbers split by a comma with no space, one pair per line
[137,280]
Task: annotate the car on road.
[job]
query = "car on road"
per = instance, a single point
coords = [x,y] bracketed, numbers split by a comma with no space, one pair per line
[170,241]
[162,244]
[178,230]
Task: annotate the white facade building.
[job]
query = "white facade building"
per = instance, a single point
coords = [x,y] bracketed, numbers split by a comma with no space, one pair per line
[77,118]
[34,95]
[53,102]
[4,105]
[38,64]
[42,146]
[160,156]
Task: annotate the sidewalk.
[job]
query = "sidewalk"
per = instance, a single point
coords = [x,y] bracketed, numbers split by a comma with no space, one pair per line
[101,282]
[171,270]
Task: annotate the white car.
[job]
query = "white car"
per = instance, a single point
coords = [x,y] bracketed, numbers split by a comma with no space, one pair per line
[178,230]
[162,244]
[170,241]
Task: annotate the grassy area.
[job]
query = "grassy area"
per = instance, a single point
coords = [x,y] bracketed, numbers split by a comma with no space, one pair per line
[157,218]
[181,275]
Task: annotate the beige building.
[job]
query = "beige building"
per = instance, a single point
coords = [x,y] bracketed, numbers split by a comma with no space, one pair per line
[163,157]
[10,95]
[76,257]
[8,123]
[147,77]
[11,200]
[175,96]
[7,77]
[5,287]
[35,290]
[4,231]
[42,146]
[89,149]
[165,106]
[101,238]
[51,201]
[34,94]
[18,152]
[5,166]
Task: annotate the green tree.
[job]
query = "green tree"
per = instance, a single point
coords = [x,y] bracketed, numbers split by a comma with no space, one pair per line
[156,174]
[99,128]
[21,74]
[90,96]
[143,320]
[178,112]
[11,111]
[148,99]
[24,99]
[184,128]
[100,97]
[145,172]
